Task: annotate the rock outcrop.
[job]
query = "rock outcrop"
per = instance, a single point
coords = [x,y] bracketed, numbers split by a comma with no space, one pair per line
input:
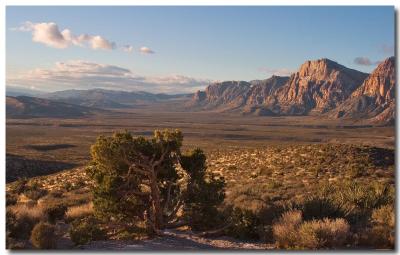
[227,95]
[375,98]
[318,87]
[241,96]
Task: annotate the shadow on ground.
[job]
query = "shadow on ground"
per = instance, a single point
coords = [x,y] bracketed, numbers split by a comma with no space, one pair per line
[20,167]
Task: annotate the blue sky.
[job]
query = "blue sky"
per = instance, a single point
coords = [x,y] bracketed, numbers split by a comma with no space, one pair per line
[186,47]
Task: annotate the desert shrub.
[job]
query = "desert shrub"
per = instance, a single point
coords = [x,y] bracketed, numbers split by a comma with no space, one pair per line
[55,212]
[355,201]
[43,236]
[11,199]
[382,231]
[131,232]
[21,220]
[56,193]
[245,224]
[67,186]
[34,191]
[286,229]
[290,232]
[85,230]
[79,211]
[12,231]
[326,233]
[20,185]
[11,220]
[319,207]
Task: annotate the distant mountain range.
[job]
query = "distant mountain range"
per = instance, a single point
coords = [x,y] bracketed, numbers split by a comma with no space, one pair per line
[33,107]
[320,87]
[102,98]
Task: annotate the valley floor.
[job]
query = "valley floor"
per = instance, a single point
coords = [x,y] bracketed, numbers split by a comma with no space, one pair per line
[265,161]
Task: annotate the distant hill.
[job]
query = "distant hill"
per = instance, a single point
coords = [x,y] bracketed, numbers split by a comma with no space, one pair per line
[24,106]
[18,91]
[101,98]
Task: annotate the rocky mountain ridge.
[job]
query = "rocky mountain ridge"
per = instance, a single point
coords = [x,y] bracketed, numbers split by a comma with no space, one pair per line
[319,87]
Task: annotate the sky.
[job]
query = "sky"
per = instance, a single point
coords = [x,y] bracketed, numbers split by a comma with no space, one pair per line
[183,49]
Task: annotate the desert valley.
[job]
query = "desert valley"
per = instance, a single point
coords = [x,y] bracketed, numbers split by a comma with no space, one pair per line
[314,150]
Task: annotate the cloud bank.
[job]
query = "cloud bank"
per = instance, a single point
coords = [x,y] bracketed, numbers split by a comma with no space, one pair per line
[50,35]
[78,74]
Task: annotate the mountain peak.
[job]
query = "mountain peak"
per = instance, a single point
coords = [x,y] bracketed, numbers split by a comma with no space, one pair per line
[320,67]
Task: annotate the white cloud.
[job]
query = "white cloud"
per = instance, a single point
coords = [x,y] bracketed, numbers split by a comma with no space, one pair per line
[98,42]
[146,50]
[80,74]
[127,48]
[50,35]
[274,71]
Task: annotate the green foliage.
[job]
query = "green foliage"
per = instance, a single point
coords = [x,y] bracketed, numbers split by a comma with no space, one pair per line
[135,176]
[136,180]
[85,230]
[204,193]
[43,236]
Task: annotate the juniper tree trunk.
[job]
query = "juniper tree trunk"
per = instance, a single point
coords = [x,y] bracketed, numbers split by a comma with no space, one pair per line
[156,203]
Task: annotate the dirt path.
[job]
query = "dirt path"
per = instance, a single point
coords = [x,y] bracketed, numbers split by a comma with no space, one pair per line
[175,240]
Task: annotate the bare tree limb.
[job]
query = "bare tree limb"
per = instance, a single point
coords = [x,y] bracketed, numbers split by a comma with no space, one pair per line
[161,159]
[175,210]
[168,196]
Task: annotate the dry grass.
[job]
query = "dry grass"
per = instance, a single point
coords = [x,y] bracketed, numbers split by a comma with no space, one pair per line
[79,211]
[34,212]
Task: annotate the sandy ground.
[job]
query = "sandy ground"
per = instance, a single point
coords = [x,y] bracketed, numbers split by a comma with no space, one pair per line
[176,240]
